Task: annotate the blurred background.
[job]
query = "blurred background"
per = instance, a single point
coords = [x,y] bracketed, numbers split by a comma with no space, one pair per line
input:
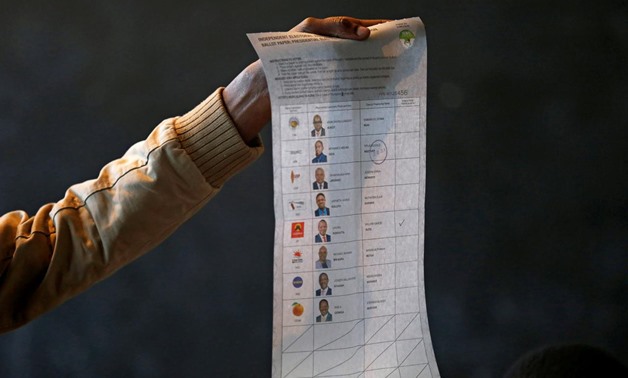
[527,179]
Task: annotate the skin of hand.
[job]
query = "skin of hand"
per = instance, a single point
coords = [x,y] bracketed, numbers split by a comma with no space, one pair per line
[246,97]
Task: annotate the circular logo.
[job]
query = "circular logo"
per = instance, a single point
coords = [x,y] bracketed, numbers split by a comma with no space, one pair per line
[406,37]
[297,282]
[293,122]
[378,151]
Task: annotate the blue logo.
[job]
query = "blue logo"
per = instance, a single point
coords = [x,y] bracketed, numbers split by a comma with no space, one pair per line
[297,282]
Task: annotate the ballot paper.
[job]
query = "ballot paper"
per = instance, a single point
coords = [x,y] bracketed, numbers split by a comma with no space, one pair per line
[348,125]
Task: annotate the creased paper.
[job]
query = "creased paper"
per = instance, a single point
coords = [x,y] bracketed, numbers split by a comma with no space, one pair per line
[348,124]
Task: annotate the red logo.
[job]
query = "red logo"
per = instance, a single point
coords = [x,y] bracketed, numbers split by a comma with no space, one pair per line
[297,257]
[298,229]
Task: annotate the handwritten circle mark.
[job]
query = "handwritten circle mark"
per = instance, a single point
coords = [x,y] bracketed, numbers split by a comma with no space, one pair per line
[378,152]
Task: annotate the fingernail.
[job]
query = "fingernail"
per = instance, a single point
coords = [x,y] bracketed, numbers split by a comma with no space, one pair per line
[362,31]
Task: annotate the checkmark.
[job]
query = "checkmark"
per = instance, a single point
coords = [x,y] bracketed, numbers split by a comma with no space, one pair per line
[400,224]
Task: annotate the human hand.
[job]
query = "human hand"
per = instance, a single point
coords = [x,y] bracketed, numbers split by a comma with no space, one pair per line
[246,97]
[338,27]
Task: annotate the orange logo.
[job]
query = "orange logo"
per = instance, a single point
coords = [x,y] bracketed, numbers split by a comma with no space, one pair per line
[297,309]
[294,176]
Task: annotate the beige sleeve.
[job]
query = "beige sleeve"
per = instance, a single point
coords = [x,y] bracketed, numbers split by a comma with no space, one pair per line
[134,204]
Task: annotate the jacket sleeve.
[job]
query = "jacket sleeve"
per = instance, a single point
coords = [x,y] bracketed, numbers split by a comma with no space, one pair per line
[135,203]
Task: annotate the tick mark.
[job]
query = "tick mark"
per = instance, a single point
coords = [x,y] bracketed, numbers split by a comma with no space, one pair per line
[401,222]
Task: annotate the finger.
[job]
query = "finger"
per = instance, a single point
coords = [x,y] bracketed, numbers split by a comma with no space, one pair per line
[356,26]
[339,27]
[367,22]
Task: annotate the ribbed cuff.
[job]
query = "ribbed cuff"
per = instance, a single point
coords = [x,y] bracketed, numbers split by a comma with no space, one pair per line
[210,137]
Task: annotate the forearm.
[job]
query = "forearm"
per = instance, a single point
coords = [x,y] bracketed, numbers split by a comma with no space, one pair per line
[102,224]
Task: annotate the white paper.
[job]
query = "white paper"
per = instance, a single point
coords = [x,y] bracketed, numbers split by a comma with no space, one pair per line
[360,310]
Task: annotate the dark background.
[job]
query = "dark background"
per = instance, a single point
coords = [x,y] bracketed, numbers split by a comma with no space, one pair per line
[527,216]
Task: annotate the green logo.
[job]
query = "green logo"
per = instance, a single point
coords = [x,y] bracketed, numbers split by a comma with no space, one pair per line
[406,37]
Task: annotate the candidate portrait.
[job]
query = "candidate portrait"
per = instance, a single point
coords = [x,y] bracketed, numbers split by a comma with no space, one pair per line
[318,150]
[323,282]
[320,202]
[319,176]
[322,235]
[318,130]
[322,262]
[323,307]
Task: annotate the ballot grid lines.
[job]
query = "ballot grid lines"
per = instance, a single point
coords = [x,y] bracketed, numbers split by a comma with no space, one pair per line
[307,218]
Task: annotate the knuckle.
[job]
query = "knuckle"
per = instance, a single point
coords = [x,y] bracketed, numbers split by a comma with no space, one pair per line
[308,22]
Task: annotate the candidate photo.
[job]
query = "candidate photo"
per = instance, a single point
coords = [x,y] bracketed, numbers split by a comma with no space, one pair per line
[322,235]
[320,182]
[322,262]
[320,202]
[318,130]
[323,307]
[318,150]
[323,281]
